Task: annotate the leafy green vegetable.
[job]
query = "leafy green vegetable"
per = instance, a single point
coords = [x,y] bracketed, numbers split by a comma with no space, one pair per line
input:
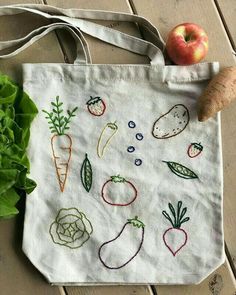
[17,111]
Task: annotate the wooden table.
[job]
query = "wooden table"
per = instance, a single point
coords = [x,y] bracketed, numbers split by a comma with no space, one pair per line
[17,275]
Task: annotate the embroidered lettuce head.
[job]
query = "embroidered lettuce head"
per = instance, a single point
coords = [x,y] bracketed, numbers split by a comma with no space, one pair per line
[71,228]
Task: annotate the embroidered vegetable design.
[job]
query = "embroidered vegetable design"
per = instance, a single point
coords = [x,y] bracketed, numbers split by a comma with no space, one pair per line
[61,142]
[194,150]
[86,174]
[131,124]
[117,191]
[71,228]
[181,170]
[175,238]
[138,162]
[130,149]
[114,254]
[108,131]
[171,123]
[96,106]
[139,136]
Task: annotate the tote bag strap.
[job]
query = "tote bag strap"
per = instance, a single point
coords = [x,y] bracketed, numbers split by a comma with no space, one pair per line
[82,51]
[106,34]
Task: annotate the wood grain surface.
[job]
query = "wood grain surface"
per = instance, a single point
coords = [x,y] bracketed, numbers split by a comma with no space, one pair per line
[227,9]
[17,275]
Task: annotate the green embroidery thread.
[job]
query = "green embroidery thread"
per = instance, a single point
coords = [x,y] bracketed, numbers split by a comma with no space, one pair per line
[181,170]
[58,122]
[175,231]
[71,228]
[86,174]
[108,131]
[61,143]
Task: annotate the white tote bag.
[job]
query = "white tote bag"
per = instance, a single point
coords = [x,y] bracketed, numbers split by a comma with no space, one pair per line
[129,183]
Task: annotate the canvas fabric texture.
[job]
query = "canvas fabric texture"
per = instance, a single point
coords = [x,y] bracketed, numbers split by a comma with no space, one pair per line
[129,182]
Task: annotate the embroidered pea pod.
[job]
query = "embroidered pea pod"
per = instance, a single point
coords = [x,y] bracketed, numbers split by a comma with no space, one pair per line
[86,174]
[105,137]
[181,170]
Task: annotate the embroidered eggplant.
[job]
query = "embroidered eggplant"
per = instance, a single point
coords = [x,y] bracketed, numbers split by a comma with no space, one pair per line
[118,252]
[117,191]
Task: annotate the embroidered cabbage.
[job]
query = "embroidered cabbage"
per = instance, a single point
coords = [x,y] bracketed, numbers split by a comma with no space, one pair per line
[17,111]
[71,228]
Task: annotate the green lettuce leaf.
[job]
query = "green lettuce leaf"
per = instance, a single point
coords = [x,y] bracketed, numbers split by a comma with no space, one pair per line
[17,112]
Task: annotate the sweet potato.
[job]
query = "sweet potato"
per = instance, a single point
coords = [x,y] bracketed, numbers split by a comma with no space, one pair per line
[220,92]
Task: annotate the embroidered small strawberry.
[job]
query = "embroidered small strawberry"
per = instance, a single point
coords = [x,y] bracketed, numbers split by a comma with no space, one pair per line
[96,106]
[194,150]
[117,191]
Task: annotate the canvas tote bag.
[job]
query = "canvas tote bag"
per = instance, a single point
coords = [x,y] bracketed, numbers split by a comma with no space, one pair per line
[129,183]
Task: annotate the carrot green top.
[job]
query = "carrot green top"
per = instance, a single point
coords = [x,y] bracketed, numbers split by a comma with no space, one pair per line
[57,122]
[178,216]
[136,222]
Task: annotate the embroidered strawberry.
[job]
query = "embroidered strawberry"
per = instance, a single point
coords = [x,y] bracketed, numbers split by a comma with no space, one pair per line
[194,149]
[117,191]
[96,106]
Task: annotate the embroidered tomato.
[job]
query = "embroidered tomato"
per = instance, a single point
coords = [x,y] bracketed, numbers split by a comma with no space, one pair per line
[194,150]
[117,191]
[96,106]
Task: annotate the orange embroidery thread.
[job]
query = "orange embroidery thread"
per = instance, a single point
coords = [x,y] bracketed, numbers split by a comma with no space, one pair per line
[61,163]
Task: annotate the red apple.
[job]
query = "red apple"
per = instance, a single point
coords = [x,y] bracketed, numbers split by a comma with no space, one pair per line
[187,44]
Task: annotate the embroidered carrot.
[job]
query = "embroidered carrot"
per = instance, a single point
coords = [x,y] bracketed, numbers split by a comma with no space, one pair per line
[61,142]
[105,137]
[111,253]
[175,238]
[117,191]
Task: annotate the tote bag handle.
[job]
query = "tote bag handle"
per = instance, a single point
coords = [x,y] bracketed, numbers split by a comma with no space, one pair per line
[73,18]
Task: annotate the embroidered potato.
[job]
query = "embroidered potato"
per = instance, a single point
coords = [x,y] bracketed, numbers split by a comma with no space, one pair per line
[171,123]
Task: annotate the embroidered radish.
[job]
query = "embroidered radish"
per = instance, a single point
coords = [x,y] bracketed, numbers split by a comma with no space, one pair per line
[117,191]
[175,238]
[118,252]
[61,143]
[108,131]
[194,150]
[96,106]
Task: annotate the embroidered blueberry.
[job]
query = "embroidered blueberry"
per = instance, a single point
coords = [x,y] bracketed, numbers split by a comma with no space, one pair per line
[139,136]
[131,124]
[130,149]
[138,162]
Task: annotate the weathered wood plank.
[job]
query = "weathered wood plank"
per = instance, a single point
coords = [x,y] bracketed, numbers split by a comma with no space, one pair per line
[12,27]
[110,290]
[221,282]
[228,12]
[17,274]
[202,12]
[101,53]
